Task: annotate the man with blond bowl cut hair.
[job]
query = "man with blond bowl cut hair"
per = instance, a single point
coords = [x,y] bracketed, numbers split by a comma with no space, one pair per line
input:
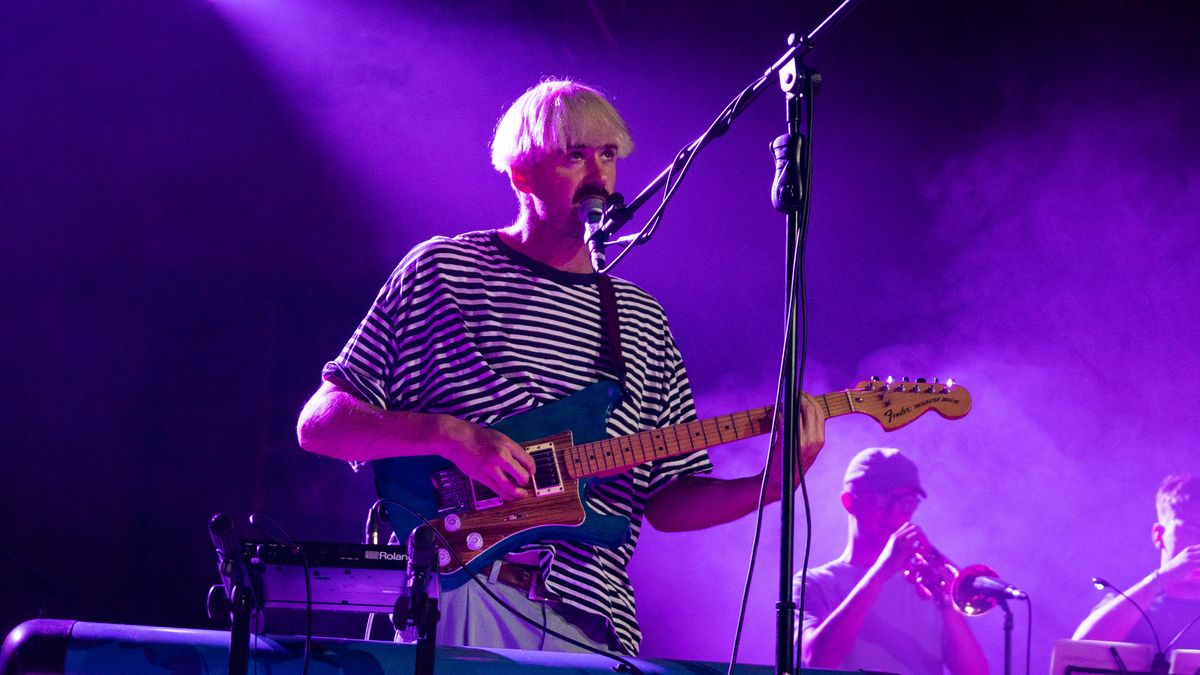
[472,329]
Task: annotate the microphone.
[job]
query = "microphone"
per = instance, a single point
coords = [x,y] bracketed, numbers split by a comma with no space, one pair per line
[416,611]
[1159,664]
[591,214]
[229,553]
[591,210]
[993,587]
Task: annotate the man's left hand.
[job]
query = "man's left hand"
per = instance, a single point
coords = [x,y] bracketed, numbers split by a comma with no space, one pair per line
[812,439]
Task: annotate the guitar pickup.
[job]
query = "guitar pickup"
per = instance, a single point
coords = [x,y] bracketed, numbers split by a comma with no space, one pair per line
[547,479]
[451,489]
[484,496]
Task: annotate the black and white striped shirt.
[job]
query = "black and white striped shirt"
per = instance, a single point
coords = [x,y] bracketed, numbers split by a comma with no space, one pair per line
[470,327]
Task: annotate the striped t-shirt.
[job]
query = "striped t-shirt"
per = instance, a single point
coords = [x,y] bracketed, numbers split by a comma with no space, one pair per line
[468,326]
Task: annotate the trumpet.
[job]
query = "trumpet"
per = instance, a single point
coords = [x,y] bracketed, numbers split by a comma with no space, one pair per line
[935,578]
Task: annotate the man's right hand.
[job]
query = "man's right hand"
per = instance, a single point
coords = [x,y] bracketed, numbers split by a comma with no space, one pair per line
[1182,571]
[907,540]
[487,456]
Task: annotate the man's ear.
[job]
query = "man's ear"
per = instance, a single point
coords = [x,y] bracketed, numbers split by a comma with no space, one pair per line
[1156,535]
[848,502]
[519,176]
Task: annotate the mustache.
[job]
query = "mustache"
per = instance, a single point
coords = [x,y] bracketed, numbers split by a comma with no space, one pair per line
[591,191]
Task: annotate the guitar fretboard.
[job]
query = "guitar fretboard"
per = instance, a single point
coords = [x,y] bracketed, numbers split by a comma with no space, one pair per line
[618,454]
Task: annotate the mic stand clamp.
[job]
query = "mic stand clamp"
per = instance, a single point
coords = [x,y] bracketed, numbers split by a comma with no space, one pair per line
[614,217]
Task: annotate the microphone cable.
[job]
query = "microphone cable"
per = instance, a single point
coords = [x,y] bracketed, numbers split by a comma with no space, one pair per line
[796,291]
[1028,630]
[276,532]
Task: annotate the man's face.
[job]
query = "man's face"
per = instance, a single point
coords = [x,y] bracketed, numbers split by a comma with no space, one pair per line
[1176,533]
[562,179]
[879,514]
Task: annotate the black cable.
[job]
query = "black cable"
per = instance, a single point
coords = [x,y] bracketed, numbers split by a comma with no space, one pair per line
[809,95]
[687,156]
[1028,631]
[264,524]
[758,520]
[475,578]
[1182,632]
[796,287]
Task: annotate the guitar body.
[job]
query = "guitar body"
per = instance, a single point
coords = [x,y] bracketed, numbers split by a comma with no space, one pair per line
[482,535]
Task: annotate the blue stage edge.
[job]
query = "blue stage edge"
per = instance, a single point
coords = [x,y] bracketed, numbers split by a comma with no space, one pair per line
[64,646]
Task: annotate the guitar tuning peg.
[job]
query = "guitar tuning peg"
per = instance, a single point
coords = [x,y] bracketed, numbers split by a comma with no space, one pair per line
[890,379]
[920,380]
[874,378]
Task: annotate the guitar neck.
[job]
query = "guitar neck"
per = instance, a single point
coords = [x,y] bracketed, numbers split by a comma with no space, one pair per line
[617,454]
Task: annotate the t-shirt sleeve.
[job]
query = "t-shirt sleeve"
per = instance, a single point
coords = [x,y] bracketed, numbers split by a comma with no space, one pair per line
[396,328]
[679,408]
[816,599]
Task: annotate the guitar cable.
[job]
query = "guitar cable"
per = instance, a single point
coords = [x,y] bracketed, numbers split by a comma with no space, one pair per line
[626,665]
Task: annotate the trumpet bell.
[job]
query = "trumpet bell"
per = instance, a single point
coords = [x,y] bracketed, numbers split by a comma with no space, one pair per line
[969,602]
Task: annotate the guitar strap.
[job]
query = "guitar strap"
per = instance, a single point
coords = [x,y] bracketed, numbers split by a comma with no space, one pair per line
[612,324]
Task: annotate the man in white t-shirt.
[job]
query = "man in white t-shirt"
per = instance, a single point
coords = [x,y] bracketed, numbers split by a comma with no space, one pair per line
[859,611]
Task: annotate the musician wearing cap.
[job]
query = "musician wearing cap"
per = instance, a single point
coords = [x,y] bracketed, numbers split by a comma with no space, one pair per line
[1170,594]
[859,611]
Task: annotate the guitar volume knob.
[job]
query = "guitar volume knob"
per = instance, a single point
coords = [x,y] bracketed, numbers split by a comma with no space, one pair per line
[474,541]
[452,522]
[443,557]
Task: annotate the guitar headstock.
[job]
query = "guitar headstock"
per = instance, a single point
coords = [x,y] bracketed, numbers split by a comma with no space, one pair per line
[895,403]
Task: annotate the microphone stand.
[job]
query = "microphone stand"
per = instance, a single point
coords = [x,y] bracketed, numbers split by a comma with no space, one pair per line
[418,607]
[240,585]
[791,195]
[1008,631]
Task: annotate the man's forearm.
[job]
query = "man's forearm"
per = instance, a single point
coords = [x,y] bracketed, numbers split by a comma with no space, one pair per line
[1115,618]
[828,644]
[336,424]
[960,649]
[697,502]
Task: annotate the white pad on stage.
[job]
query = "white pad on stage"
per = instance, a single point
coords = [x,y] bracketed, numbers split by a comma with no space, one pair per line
[1096,656]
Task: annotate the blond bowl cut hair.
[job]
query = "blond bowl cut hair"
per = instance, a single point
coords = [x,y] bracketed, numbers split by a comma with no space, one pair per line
[553,116]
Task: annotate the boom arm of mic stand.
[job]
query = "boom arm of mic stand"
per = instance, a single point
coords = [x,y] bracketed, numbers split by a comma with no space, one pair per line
[797,50]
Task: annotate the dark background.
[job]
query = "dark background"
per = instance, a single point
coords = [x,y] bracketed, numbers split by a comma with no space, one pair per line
[199,200]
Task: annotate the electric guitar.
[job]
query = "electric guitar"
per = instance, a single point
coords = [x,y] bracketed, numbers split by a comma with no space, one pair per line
[570,448]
